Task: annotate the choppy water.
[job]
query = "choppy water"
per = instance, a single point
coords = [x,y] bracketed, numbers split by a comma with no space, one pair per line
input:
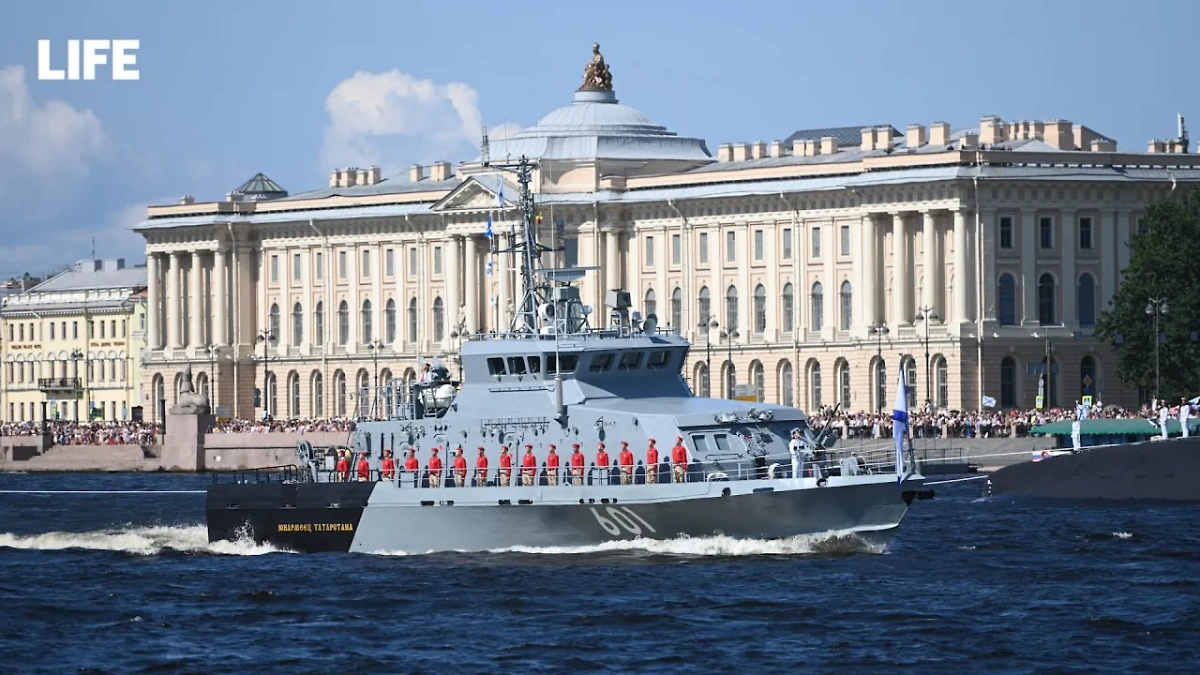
[129,584]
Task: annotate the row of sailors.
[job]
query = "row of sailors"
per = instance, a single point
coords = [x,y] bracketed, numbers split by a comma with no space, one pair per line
[529,465]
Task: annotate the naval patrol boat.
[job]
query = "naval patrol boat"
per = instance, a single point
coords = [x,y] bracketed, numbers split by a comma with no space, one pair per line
[554,379]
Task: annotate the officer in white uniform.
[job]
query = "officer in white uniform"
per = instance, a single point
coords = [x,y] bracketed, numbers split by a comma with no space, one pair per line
[796,448]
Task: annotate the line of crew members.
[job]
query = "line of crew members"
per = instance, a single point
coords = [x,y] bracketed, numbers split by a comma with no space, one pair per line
[528,472]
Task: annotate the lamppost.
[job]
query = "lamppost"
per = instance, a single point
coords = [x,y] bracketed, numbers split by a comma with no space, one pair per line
[880,331]
[728,336]
[927,315]
[212,374]
[458,335]
[375,346]
[76,354]
[707,323]
[1047,384]
[1157,307]
[266,336]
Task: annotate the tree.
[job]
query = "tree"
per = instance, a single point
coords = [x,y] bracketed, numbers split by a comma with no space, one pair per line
[1164,263]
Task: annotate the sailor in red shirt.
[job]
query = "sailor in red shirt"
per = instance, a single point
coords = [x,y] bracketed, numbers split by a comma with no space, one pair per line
[435,469]
[412,466]
[602,464]
[679,461]
[625,460]
[552,461]
[652,463]
[364,468]
[528,466]
[577,463]
[460,468]
[343,466]
[388,467]
[481,468]
[505,467]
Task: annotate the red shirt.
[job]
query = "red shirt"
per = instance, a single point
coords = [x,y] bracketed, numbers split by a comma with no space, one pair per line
[435,463]
[506,461]
[364,468]
[552,460]
[412,464]
[625,458]
[460,465]
[342,465]
[481,462]
[679,455]
[577,459]
[652,455]
[529,461]
[602,459]
[389,467]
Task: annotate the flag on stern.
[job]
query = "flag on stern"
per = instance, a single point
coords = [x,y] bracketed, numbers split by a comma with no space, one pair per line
[900,423]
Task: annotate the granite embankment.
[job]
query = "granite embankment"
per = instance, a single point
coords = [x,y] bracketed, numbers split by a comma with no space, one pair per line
[229,452]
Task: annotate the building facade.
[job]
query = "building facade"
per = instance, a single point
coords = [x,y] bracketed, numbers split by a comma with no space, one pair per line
[73,343]
[814,268]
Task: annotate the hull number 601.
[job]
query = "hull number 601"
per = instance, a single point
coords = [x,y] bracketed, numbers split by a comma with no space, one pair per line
[622,520]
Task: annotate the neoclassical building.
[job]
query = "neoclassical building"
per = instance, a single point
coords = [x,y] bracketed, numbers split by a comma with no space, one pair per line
[810,268]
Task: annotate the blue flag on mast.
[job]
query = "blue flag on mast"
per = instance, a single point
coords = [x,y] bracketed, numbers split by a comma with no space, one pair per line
[900,423]
[488,232]
[500,195]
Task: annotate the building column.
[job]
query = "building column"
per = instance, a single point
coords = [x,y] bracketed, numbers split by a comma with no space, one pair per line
[901,313]
[1108,264]
[1028,267]
[833,294]
[612,259]
[174,301]
[930,286]
[986,249]
[471,281]
[962,274]
[870,275]
[1068,283]
[220,305]
[153,320]
[196,304]
[1124,234]
[453,293]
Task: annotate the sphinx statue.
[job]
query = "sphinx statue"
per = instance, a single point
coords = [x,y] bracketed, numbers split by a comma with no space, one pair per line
[596,76]
[190,402]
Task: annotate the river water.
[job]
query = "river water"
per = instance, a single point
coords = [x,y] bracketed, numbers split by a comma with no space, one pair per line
[112,583]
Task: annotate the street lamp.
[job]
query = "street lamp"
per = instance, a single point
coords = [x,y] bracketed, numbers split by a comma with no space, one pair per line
[707,323]
[1046,386]
[927,315]
[375,345]
[266,336]
[728,336]
[76,354]
[1157,307]
[459,334]
[880,331]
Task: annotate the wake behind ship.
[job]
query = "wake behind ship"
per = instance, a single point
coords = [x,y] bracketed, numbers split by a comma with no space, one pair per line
[554,381]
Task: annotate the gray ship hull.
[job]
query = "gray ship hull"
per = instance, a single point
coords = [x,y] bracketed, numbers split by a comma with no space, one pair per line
[386,517]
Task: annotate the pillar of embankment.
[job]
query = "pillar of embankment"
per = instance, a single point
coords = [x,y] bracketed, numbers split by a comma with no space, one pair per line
[187,422]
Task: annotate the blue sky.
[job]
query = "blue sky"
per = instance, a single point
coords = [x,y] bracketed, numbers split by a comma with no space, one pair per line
[295,89]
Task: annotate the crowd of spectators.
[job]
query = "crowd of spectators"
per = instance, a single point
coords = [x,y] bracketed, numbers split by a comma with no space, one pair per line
[282,426]
[65,432]
[929,423]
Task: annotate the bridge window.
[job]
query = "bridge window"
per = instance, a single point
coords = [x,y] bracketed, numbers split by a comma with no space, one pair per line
[700,444]
[659,359]
[562,363]
[535,365]
[601,362]
[496,365]
[631,360]
[722,442]
[516,365]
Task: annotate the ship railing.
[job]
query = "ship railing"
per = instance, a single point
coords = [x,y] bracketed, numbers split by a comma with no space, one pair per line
[601,333]
[284,473]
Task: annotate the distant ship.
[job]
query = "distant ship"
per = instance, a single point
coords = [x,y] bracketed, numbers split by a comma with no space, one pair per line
[552,378]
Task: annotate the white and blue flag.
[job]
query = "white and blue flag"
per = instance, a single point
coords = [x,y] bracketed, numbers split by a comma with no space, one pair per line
[489,268]
[500,195]
[488,232]
[900,424]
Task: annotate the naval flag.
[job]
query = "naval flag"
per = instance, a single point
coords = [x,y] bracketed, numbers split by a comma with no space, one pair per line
[900,424]
[488,232]
[500,195]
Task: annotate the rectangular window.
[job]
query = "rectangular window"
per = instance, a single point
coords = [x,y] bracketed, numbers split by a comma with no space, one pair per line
[437,259]
[74,330]
[101,330]
[703,248]
[319,267]
[365,269]
[342,265]
[572,252]
[787,243]
[389,262]
[816,242]
[1046,232]
[676,249]
[1006,232]
[1085,233]
[51,330]
[274,269]
[731,246]
[649,251]
[295,267]
[412,261]
[845,237]
[759,245]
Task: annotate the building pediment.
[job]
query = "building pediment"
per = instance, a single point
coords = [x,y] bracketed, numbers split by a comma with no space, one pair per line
[476,194]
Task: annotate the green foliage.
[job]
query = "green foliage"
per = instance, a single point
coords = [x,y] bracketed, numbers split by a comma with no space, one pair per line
[1164,263]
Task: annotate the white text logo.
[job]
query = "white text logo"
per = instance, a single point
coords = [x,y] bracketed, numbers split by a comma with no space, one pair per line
[93,53]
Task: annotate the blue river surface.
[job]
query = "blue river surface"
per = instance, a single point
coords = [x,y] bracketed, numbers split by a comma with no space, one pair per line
[119,583]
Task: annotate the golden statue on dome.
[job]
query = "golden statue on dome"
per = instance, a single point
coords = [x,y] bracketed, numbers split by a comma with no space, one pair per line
[596,76]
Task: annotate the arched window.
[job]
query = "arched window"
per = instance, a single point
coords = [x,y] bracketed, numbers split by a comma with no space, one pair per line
[941,379]
[1087,376]
[412,320]
[343,323]
[1046,314]
[389,321]
[318,396]
[788,314]
[760,309]
[910,381]
[294,395]
[847,304]
[880,384]
[786,386]
[730,379]
[817,302]
[339,393]
[297,324]
[1007,300]
[363,388]
[319,324]
[814,386]
[270,403]
[731,308]
[759,380]
[273,321]
[1087,301]
[439,319]
[365,336]
[843,376]
[1008,382]
[704,306]
[677,308]
[703,386]
[650,305]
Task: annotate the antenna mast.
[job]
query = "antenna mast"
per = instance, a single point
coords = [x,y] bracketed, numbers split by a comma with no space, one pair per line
[484,148]
[525,318]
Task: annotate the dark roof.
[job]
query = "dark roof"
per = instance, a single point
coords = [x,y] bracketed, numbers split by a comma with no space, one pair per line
[262,187]
[1123,427]
[846,136]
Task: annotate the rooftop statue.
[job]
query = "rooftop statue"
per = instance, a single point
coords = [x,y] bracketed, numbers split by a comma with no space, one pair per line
[189,401]
[596,76]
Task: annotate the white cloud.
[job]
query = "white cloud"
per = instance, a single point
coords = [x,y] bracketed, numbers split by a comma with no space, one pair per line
[44,139]
[54,248]
[394,119]
[503,131]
